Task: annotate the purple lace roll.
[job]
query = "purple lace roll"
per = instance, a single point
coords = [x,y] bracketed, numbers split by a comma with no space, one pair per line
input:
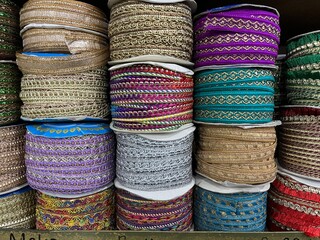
[242,34]
[72,165]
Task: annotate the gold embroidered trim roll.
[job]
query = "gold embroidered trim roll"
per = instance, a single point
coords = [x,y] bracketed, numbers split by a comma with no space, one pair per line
[17,209]
[82,94]
[62,65]
[138,28]
[236,155]
[61,40]
[64,12]
[12,170]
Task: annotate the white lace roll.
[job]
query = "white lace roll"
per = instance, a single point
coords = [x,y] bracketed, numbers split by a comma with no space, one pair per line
[148,162]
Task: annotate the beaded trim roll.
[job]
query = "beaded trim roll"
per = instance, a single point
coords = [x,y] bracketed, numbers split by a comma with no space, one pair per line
[17,209]
[64,12]
[237,212]
[136,213]
[236,155]
[293,206]
[9,93]
[150,165]
[72,64]
[299,141]
[303,76]
[140,28]
[49,96]
[12,170]
[241,35]
[61,40]
[145,97]
[72,165]
[93,212]
[9,29]
[236,95]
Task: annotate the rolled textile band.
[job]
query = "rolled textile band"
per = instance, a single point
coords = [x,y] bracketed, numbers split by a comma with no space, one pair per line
[303,78]
[9,93]
[81,94]
[72,64]
[9,30]
[150,97]
[17,209]
[236,155]
[238,95]
[93,212]
[150,165]
[140,28]
[293,206]
[299,141]
[12,171]
[136,213]
[243,34]
[70,160]
[66,12]
[61,40]
[237,212]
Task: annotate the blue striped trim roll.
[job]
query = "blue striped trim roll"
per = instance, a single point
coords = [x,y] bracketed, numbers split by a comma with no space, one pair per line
[237,212]
[237,95]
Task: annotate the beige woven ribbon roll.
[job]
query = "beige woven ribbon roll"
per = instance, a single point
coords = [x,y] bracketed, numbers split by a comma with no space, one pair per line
[17,209]
[64,12]
[12,170]
[139,28]
[62,40]
[236,155]
[72,64]
[50,96]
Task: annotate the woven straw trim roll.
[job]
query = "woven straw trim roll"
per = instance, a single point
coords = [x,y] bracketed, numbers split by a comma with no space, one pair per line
[10,113]
[18,210]
[12,157]
[61,40]
[138,28]
[64,12]
[62,65]
[236,155]
[68,109]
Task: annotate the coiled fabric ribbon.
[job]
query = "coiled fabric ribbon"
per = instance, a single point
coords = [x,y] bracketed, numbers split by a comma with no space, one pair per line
[49,89]
[299,140]
[93,212]
[10,41]
[136,213]
[157,162]
[235,95]
[141,28]
[303,76]
[70,159]
[146,97]
[12,170]
[9,93]
[236,155]
[294,205]
[239,34]
[236,212]
[17,209]
[63,26]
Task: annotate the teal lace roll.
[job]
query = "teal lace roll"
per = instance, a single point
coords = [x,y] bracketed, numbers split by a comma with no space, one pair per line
[236,212]
[238,95]
[303,75]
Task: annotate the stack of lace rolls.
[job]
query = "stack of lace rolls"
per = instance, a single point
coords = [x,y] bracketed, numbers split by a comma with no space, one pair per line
[151,95]
[235,52]
[17,205]
[72,166]
[65,52]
